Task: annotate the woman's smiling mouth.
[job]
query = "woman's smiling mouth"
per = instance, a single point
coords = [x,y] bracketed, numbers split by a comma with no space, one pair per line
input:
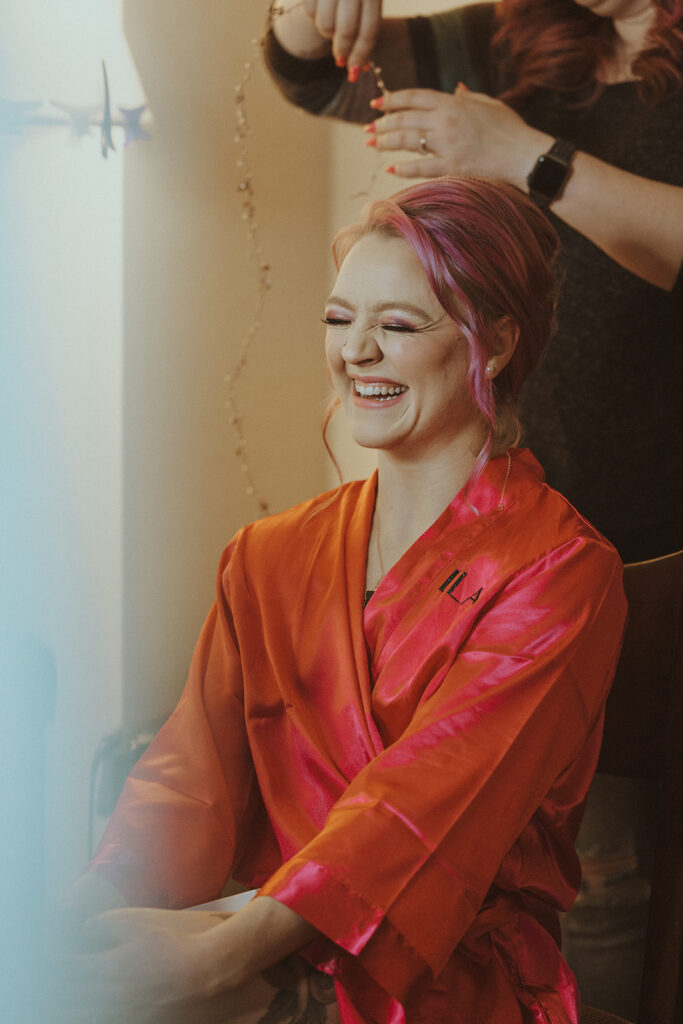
[378,391]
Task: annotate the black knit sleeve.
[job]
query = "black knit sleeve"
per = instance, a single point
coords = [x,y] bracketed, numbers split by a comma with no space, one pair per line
[677,290]
[461,48]
[311,84]
[424,53]
[321,88]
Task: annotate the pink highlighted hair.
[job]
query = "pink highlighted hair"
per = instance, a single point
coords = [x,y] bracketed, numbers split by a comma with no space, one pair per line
[559,45]
[488,254]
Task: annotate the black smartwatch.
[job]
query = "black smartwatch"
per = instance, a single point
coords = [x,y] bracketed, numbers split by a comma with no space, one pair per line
[549,175]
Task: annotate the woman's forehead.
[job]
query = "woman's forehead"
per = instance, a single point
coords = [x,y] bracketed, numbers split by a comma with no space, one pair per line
[382,268]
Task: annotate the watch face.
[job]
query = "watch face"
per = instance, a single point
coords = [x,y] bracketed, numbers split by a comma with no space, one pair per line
[548,176]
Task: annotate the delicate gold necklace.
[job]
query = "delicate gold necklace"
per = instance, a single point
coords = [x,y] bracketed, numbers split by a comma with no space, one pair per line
[501,506]
[379,556]
[378,543]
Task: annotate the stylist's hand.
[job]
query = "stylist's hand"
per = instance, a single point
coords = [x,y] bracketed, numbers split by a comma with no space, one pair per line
[352,25]
[148,966]
[464,133]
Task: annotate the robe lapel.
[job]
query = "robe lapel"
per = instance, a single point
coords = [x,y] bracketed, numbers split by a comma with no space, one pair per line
[427,565]
[357,518]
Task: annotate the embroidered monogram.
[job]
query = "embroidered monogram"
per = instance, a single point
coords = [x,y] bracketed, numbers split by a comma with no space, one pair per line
[454,581]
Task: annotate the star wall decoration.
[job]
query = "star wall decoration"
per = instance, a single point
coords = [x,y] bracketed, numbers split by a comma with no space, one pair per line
[18,116]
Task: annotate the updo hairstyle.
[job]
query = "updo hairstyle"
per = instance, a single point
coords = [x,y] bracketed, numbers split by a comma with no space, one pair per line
[488,254]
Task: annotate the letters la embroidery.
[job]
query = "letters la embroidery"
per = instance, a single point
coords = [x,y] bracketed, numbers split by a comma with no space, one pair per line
[455,579]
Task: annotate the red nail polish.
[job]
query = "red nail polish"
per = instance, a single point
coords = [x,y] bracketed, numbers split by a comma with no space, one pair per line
[461,85]
[371,140]
[354,73]
[369,127]
[391,170]
[340,62]
[378,103]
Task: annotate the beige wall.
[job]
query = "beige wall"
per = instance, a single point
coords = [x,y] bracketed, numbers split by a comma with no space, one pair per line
[189,289]
[189,294]
[133,289]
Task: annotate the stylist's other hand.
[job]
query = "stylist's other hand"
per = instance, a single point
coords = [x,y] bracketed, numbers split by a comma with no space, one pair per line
[352,25]
[463,133]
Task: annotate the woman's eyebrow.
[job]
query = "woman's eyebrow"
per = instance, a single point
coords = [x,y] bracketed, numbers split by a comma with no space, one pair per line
[381,307]
[336,300]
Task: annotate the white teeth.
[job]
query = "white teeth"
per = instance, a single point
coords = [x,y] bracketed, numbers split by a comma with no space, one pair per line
[380,391]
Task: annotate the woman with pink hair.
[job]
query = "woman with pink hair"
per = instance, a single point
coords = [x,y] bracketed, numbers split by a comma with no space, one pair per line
[579,104]
[395,706]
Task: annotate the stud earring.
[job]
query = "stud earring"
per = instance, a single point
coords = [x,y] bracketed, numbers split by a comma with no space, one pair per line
[489,368]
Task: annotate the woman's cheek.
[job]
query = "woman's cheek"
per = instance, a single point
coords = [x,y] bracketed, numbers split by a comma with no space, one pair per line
[335,361]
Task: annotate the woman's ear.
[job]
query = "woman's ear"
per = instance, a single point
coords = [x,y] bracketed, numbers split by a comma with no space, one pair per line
[503,342]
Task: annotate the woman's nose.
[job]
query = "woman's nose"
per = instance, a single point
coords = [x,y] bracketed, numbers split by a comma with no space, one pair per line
[360,346]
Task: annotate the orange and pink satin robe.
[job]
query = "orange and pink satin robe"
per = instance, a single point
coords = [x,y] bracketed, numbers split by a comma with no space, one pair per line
[409,777]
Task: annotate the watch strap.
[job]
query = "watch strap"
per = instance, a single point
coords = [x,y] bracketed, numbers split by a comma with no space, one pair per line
[549,175]
[562,150]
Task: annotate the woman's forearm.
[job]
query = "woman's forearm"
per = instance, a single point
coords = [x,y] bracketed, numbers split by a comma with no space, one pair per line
[636,221]
[256,937]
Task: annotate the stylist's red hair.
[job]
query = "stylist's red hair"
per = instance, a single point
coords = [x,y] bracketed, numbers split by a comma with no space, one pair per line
[559,45]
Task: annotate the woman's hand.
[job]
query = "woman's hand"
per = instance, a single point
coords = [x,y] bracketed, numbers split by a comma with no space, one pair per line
[172,966]
[636,221]
[463,133]
[89,896]
[146,965]
[351,26]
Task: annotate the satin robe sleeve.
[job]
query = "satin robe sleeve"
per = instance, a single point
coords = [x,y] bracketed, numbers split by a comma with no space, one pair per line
[407,855]
[174,835]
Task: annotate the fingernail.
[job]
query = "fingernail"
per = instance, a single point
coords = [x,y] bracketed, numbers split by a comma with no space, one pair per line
[378,103]
[371,140]
[461,85]
[369,127]
[391,170]
[366,67]
[354,73]
[340,62]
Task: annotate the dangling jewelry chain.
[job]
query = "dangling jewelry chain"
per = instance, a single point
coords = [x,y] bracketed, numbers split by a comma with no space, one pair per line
[264,280]
[377,72]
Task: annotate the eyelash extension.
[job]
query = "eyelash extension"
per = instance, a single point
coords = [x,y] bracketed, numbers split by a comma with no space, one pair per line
[396,328]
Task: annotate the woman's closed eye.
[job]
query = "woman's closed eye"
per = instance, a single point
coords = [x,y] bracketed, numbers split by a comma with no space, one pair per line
[336,321]
[340,321]
[400,328]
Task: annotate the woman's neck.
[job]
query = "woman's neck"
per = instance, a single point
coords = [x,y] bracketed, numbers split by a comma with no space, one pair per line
[632,32]
[411,495]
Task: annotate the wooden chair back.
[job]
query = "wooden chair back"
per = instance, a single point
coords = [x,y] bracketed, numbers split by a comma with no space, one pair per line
[643,739]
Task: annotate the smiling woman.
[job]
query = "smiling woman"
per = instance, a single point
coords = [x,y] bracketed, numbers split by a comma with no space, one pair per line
[399,367]
[402,776]
[480,294]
